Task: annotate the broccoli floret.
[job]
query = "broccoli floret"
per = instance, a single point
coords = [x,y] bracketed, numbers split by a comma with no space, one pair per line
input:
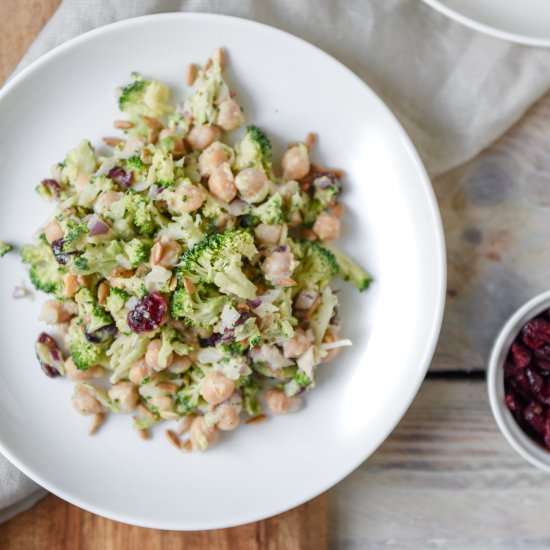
[84,353]
[351,271]
[85,302]
[133,285]
[302,379]
[200,309]
[124,352]
[183,228]
[163,166]
[143,217]
[251,403]
[80,160]
[74,238]
[45,273]
[132,212]
[253,150]
[188,396]
[114,304]
[237,348]
[98,319]
[317,265]
[271,211]
[144,97]
[5,248]
[135,162]
[137,251]
[99,258]
[217,259]
[248,330]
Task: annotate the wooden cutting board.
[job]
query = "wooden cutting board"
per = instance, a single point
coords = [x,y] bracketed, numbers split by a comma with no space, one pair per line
[54,524]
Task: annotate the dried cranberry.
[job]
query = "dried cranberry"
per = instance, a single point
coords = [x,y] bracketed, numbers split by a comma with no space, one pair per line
[534,379]
[148,314]
[543,352]
[520,355]
[53,186]
[101,335]
[536,333]
[543,365]
[122,178]
[511,401]
[60,256]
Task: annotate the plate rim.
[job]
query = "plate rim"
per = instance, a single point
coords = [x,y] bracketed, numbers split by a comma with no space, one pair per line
[417,375]
[487,29]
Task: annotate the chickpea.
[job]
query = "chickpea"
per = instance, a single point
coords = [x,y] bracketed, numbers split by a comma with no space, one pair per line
[230,115]
[228,417]
[216,388]
[53,231]
[327,226]
[138,371]
[188,198]
[268,233]
[297,345]
[295,162]
[252,184]
[201,435]
[105,199]
[279,403]
[180,364]
[165,252]
[221,183]
[85,402]
[211,158]
[81,181]
[54,312]
[200,137]
[152,355]
[278,266]
[77,375]
[163,402]
[125,395]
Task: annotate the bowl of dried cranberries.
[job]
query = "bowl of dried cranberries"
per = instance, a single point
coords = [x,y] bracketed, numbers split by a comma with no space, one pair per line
[518,380]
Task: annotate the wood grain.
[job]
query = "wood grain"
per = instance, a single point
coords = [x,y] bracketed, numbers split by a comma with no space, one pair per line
[495,213]
[20,22]
[446,478]
[56,525]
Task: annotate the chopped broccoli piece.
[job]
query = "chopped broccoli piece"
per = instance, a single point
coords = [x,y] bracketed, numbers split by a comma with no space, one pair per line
[351,271]
[74,233]
[144,97]
[163,167]
[200,309]
[217,259]
[85,302]
[5,248]
[253,150]
[188,396]
[80,160]
[271,211]
[135,162]
[317,265]
[238,348]
[250,390]
[98,319]
[124,352]
[84,353]
[248,330]
[99,258]
[302,379]
[137,251]
[114,304]
[323,314]
[45,273]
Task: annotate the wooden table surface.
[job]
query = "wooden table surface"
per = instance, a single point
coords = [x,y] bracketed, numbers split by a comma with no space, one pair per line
[445,478]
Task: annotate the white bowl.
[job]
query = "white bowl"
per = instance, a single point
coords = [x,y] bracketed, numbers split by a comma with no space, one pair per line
[528,448]
[392,227]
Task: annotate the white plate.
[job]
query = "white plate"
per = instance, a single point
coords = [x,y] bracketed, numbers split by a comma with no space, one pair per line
[522,21]
[392,226]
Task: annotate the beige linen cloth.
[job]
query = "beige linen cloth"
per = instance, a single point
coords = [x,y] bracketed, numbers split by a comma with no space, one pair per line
[454,90]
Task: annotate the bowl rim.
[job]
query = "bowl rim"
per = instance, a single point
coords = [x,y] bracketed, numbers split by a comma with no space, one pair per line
[516,437]
[440,267]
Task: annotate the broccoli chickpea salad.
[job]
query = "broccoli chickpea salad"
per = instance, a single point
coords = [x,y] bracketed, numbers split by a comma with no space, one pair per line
[189,277]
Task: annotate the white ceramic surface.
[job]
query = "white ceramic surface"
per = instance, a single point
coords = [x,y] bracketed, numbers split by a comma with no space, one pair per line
[522,21]
[392,226]
[517,438]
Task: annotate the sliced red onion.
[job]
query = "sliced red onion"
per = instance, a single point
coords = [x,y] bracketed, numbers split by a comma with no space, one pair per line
[305,299]
[140,186]
[153,191]
[121,177]
[97,226]
[53,186]
[105,167]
